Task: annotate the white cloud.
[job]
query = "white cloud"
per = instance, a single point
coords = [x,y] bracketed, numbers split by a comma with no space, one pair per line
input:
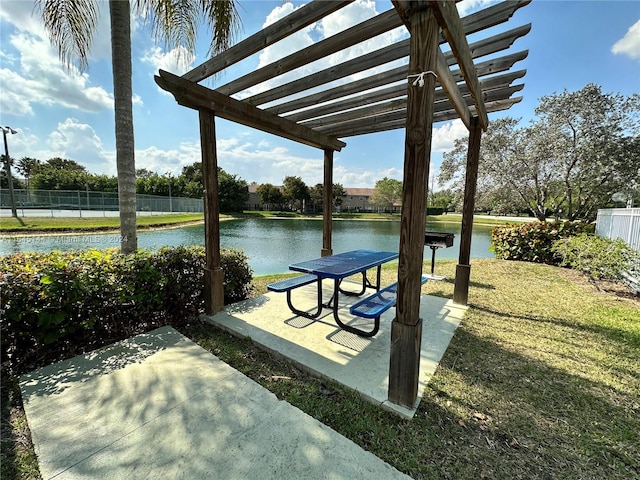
[71,139]
[630,43]
[79,141]
[40,79]
[444,137]
[177,61]
[466,7]
[346,17]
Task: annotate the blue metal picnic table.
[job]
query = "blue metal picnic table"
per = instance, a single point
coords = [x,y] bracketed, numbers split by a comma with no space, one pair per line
[338,267]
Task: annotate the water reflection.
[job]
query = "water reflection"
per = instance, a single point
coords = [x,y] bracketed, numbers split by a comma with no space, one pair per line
[270,244]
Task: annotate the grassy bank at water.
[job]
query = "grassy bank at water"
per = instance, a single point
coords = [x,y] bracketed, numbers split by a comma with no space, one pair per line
[44,225]
[38,225]
[540,381]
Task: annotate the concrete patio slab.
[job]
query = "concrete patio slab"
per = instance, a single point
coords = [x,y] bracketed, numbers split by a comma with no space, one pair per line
[159,406]
[322,348]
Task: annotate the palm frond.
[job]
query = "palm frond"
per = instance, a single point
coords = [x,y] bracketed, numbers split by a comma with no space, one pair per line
[224,19]
[70,25]
[173,22]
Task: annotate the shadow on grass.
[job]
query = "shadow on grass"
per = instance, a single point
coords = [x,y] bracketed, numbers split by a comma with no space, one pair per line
[538,420]
[623,336]
[14,464]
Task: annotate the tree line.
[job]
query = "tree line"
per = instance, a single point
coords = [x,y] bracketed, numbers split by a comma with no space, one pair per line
[65,174]
[581,150]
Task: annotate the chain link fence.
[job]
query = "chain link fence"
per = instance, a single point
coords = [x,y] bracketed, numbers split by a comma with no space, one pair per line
[79,200]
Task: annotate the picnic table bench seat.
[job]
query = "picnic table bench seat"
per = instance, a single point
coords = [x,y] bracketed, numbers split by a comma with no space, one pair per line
[376,304]
[289,284]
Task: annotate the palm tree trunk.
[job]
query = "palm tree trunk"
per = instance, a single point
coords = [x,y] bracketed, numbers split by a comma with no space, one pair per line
[119,13]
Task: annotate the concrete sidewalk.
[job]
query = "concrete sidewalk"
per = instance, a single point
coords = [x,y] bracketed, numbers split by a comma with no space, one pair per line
[158,406]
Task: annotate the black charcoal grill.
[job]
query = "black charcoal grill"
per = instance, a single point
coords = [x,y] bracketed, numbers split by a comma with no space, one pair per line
[435,240]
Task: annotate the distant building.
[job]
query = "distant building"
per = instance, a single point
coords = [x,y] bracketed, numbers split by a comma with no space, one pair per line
[356,200]
[253,202]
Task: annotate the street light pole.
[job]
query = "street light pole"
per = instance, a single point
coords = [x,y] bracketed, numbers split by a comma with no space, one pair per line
[170,201]
[7,160]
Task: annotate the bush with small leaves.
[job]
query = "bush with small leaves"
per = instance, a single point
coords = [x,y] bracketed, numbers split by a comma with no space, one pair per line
[58,304]
[533,242]
[597,257]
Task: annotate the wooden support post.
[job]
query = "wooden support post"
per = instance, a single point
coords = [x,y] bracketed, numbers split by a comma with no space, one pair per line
[463,269]
[406,329]
[327,204]
[213,275]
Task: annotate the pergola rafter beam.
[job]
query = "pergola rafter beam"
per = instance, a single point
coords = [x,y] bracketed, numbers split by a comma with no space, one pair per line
[306,15]
[198,97]
[449,20]
[442,116]
[488,67]
[352,36]
[481,48]
[375,108]
[339,129]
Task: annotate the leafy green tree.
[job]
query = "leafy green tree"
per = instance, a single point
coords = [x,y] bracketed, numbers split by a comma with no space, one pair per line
[4,181]
[591,138]
[295,191]
[582,148]
[316,195]
[27,166]
[192,176]
[270,195]
[387,193]
[103,183]
[338,194]
[58,174]
[65,164]
[71,25]
[233,192]
[443,199]
[144,173]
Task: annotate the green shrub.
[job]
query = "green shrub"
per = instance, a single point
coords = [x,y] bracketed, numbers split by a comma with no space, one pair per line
[58,304]
[597,257]
[435,210]
[533,242]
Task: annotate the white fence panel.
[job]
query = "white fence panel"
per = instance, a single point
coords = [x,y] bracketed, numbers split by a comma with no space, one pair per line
[623,223]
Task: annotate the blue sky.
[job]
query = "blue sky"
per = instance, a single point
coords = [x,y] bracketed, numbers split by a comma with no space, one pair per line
[70,114]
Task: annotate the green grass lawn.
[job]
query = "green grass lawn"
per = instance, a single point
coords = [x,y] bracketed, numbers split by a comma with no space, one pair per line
[540,381]
[26,225]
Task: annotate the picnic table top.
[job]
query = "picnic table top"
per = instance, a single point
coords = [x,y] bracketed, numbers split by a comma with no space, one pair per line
[344,264]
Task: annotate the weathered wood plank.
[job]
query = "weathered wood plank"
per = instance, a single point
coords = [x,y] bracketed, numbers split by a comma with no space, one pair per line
[480,48]
[481,20]
[199,97]
[333,73]
[449,21]
[213,274]
[372,81]
[396,109]
[356,34]
[451,89]
[406,328]
[461,287]
[327,204]
[297,20]
[444,116]
[484,68]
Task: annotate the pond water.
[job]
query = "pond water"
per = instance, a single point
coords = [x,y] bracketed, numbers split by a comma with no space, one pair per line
[270,244]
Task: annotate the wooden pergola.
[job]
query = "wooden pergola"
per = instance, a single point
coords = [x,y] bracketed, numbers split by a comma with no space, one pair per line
[311,111]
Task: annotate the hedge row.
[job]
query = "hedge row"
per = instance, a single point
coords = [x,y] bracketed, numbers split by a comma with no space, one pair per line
[59,304]
[533,242]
